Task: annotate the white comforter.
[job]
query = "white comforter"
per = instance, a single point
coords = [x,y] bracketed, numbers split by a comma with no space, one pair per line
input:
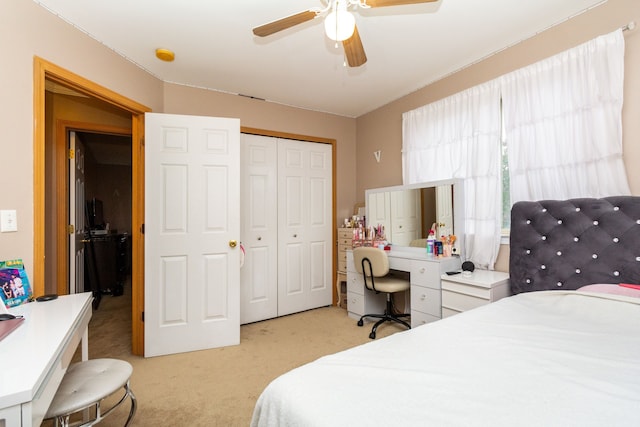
[538,359]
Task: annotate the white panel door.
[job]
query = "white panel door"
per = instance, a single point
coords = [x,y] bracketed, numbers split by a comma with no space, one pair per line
[76,214]
[259,228]
[192,228]
[444,209]
[405,216]
[379,212]
[304,226]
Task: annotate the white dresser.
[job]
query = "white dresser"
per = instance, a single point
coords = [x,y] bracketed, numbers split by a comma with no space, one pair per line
[461,293]
[424,274]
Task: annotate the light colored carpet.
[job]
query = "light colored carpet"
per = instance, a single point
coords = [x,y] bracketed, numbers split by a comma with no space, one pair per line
[219,387]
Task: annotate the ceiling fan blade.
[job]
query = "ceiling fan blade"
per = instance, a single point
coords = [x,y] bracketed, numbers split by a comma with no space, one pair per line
[382,3]
[353,50]
[284,23]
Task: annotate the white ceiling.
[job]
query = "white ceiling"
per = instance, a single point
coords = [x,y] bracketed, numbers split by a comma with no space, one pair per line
[407,46]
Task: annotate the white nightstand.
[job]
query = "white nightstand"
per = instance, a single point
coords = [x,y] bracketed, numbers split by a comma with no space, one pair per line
[461,293]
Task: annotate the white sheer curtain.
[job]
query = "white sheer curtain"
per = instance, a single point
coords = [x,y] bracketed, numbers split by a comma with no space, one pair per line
[459,137]
[563,123]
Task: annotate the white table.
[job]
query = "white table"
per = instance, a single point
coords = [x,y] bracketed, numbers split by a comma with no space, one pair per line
[35,356]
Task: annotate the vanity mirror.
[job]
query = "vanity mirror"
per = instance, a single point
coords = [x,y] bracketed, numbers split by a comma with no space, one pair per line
[407,212]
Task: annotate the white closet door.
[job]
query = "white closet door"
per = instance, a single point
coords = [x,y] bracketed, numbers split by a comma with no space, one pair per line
[444,207]
[379,213]
[304,226]
[259,228]
[405,216]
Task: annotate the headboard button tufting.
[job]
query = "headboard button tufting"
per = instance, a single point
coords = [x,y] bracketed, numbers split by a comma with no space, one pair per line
[604,241]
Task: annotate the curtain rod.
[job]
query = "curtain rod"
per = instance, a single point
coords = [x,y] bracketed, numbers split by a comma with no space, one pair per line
[630,26]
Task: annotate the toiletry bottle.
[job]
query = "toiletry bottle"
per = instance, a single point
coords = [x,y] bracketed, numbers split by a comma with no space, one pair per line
[431,243]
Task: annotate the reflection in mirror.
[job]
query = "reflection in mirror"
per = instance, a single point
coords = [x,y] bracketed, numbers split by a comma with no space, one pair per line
[409,212]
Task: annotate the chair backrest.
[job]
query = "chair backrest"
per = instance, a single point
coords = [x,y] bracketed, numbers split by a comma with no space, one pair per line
[377,257]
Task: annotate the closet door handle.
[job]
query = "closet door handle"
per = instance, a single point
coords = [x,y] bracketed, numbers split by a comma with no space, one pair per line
[232,243]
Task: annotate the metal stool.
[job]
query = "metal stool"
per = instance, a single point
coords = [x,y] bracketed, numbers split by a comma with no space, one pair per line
[86,384]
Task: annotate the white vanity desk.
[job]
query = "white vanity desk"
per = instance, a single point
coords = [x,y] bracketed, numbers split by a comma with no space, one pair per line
[35,356]
[424,275]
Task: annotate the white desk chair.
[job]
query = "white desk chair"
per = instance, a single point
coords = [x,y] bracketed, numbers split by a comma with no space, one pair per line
[86,384]
[373,264]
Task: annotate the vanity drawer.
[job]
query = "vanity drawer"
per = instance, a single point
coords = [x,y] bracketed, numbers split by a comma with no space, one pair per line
[402,264]
[350,266]
[342,265]
[419,318]
[355,283]
[426,300]
[425,274]
[355,303]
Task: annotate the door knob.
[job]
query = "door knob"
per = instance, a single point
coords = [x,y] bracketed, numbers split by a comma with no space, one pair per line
[233,243]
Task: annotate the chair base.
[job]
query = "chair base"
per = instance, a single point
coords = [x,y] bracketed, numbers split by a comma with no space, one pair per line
[388,316]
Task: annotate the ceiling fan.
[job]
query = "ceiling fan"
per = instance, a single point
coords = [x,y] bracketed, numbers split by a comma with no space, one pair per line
[340,24]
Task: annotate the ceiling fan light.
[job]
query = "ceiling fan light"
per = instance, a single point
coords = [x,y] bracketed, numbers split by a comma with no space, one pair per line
[339,25]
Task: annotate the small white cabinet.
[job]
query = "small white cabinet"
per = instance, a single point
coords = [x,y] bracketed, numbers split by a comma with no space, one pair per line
[360,300]
[461,293]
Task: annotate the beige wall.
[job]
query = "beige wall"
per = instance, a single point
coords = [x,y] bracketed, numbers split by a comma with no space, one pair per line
[382,129]
[264,115]
[28,30]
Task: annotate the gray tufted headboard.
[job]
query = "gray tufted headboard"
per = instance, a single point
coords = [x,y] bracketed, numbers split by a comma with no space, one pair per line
[566,244]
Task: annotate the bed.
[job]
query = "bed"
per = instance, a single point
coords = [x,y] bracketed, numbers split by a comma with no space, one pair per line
[564,350]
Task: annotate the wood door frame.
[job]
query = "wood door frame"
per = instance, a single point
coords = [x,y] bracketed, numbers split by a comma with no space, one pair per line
[63,127]
[332,142]
[45,70]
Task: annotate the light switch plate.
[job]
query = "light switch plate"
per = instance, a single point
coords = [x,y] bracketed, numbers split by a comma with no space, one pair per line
[8,221]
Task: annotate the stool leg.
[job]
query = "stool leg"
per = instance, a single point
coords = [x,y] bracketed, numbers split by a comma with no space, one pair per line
[134,404]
